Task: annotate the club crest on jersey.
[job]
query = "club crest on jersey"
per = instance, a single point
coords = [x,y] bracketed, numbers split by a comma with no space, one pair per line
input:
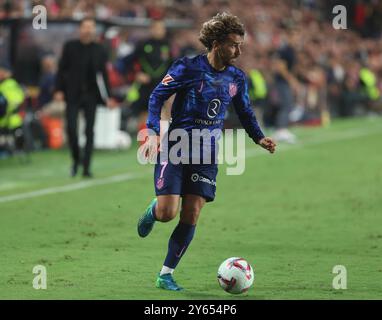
[232,89]
[167,79]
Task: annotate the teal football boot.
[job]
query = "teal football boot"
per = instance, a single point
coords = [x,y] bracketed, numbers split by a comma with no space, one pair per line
[167,282]
[146,222]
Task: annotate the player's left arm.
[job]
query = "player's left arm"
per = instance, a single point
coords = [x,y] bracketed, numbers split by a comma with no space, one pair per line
[247,117]
[173,82]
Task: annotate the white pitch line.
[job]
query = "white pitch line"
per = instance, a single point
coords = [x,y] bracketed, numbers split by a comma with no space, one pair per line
[69,187]
[252,152]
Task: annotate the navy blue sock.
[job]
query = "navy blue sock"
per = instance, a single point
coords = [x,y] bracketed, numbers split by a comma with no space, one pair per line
[178,243]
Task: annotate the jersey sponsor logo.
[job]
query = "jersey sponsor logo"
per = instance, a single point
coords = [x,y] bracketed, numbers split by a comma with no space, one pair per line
[208,122]
[167,79]
[232,89]
[213,108]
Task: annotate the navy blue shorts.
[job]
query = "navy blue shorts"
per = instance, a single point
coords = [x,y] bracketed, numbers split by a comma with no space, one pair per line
[198,179]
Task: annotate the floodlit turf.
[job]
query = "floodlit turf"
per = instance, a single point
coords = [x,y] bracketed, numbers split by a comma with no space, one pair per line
[293,215]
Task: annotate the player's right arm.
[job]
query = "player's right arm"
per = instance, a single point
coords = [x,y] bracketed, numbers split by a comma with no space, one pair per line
[173,81]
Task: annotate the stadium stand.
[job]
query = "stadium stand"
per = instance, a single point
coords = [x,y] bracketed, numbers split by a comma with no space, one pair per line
[338,72]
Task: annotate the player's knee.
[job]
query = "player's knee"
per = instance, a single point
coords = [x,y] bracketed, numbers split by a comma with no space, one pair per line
[166,213]
[190,215]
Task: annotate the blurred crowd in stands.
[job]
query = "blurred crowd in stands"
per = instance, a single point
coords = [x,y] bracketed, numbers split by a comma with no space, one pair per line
[330,73]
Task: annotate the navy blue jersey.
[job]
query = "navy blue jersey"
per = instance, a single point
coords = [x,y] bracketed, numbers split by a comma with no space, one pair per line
[202,97]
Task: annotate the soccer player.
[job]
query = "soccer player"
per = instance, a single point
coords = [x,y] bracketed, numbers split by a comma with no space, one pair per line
[204,86]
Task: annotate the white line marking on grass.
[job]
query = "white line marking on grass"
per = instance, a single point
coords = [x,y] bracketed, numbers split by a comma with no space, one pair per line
[70,187]
[251,152]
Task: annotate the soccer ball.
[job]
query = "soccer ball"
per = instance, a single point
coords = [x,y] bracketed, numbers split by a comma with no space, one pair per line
[235,275]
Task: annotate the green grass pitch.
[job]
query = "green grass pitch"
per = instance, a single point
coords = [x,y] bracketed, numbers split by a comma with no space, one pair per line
[293,215]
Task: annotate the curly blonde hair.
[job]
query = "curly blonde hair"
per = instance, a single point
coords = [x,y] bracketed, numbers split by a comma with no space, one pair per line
[218,28]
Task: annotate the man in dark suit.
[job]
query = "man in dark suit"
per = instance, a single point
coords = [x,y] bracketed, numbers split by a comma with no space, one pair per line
[83,83]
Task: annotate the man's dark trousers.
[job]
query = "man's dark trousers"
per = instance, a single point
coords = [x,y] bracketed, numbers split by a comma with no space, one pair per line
[88,104]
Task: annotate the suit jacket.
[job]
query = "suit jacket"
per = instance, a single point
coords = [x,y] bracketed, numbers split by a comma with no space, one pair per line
[69,77]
